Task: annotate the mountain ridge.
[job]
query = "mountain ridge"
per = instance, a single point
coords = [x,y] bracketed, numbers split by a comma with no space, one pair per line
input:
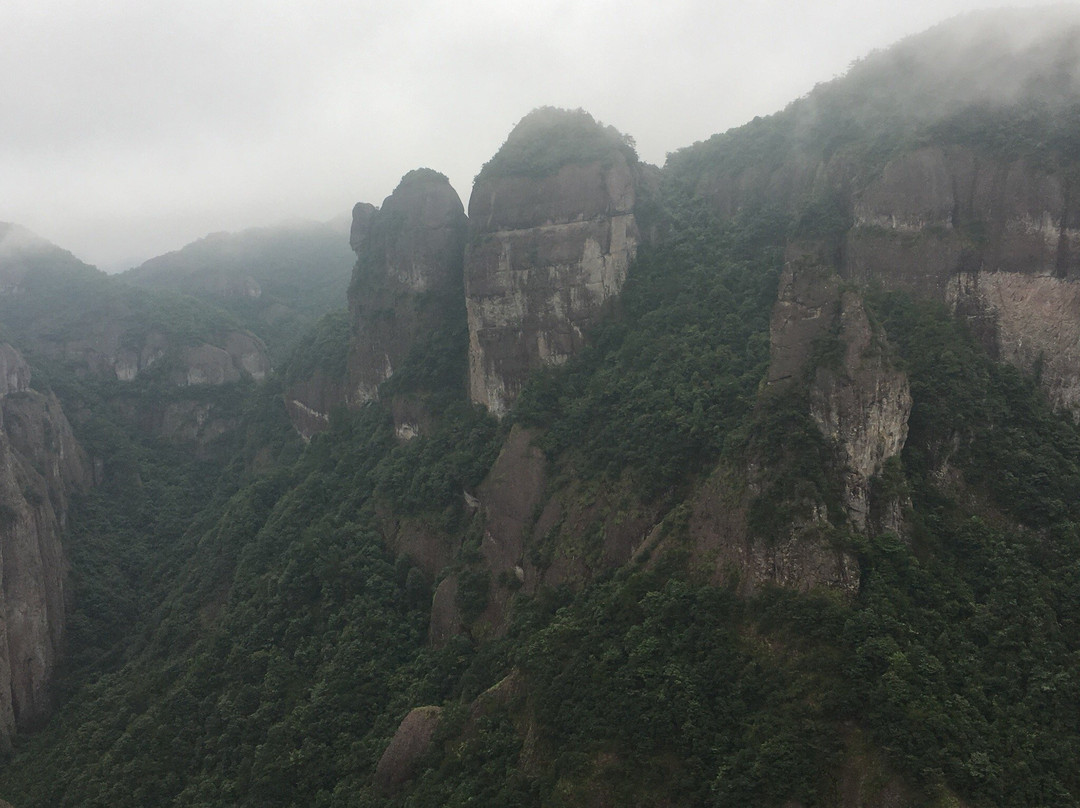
[776,528]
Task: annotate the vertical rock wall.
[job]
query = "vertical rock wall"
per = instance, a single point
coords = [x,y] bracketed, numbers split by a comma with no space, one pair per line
[548,248]
[407,281]
[820,333]
[40,463]
[997,240]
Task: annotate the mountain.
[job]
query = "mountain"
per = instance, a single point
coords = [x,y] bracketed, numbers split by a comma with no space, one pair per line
[275,280]
[749,480]
[78,323]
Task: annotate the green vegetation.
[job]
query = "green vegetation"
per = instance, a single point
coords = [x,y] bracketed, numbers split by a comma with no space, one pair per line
[244,635]
[274,281]
[548,138]
[324,348]
[670,380]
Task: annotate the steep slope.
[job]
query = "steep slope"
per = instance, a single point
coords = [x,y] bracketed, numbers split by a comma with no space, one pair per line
[407,283]
[41,465]
[943,167]
[159,356]
[776,531]
[552,234]
[69,312]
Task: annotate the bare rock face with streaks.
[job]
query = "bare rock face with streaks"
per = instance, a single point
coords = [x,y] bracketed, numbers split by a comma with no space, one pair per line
[861,403]
[552,234]
[40,465]
[997,240]
[821,335]
[407,282]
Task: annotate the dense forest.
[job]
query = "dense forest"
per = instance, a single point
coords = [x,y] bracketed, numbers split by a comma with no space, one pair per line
[242,631]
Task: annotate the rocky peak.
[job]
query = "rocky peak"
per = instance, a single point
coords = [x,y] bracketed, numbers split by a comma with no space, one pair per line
[407,281]
[362,214]
[552,234]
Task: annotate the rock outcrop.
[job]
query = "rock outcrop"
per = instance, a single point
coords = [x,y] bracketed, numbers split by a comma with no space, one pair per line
[310,401]
[410,743]
[998,240]
[40,465]
[824,353]
[58,307]
[821,335]
[550,244]
[407,282]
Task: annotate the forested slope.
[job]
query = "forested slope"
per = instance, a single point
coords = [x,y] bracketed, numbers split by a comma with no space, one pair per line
[785,528]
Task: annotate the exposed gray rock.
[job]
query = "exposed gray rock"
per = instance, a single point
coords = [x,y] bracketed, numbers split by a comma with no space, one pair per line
[407,282]
[40,464]
[546,253]
[995,239]
[310,401]
[862,405]
[400,762]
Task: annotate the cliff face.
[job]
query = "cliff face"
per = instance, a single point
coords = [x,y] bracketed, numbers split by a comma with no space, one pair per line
[825,353]
[310,401]
[998,240]
[547,250]
[407,281]
[821,335]
[40,464]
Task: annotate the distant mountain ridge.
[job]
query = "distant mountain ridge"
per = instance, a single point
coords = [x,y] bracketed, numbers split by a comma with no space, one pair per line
[277,280]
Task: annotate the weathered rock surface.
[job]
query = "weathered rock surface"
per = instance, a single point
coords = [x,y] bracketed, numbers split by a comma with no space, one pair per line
[803,558]
[400,762]
[112,348]
[14,372]
[40,464]
[445,619]
[509,496]
[997,240]
[862,405]
[191,420]
[545,255]
[407,283]
[820,338]
[239,355]
[70,312]
[310,401]
[858,399]
[938,212]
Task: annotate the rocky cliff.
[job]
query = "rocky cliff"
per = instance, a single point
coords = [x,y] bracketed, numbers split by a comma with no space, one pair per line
[407,281]
[550,243]
[997,239]
[40,465]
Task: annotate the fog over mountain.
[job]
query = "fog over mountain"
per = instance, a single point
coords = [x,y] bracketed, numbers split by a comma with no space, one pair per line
[132,129]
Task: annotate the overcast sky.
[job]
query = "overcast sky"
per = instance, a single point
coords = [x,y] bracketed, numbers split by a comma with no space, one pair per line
[130,128]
